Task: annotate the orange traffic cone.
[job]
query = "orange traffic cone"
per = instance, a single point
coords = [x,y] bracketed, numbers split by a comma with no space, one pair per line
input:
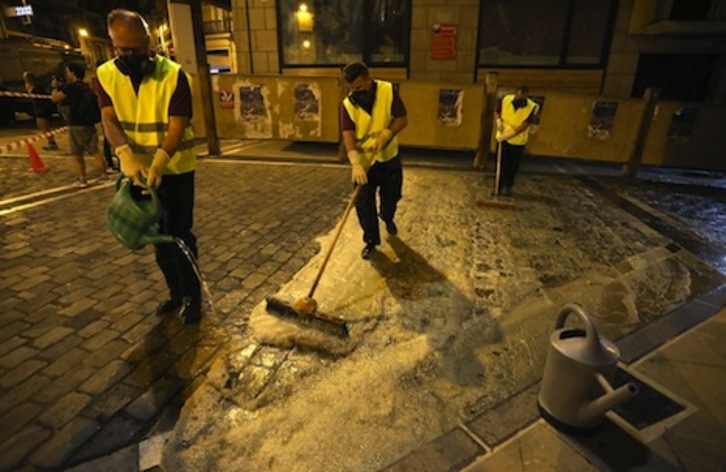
[36,165]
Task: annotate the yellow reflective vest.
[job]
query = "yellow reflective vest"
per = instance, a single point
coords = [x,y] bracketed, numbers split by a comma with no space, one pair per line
[144,117]
[368,126]
[514,118]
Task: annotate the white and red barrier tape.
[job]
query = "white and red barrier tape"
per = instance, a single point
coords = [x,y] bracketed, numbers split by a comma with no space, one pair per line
[23,95]
[17,144]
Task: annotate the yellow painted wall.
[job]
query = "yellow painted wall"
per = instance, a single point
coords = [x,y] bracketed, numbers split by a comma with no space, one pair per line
[421,100]
[704,150]
[563,130]
[281,104]
[424,130]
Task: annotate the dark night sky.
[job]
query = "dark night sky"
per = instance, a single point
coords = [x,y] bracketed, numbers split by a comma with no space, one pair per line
[148,8]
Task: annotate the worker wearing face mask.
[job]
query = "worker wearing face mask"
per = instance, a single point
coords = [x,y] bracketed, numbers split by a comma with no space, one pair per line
[146,108]
[371,116]
[514,114]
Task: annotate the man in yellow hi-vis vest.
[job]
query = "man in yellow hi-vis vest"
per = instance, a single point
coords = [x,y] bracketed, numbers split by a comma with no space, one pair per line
[370,117]
[146,109]
[514,114]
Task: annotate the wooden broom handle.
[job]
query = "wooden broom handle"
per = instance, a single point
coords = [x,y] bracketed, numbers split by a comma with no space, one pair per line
[335,240]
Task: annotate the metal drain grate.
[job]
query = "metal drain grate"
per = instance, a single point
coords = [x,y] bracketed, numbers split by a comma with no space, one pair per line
[648,407]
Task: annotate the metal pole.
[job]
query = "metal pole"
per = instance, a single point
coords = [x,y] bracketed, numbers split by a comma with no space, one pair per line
[630,169]
[491,85]
[186,15]
[205,84]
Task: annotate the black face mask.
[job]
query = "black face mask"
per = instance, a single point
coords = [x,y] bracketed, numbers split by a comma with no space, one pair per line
[137,66]
[519,102]
[363,98]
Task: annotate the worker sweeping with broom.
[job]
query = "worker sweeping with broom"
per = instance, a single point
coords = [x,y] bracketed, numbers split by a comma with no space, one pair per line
[371,116]
[515,112]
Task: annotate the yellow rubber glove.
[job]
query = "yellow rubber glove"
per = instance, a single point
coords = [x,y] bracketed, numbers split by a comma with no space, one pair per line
[359,174]
[500,125]
[130,165]
[382,140]
[153,175]
[505,136]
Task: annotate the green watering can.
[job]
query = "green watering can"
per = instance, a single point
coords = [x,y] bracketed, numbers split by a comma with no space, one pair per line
[135,221]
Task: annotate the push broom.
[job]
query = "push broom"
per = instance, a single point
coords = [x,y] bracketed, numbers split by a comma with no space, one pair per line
[305,310]
[498,175]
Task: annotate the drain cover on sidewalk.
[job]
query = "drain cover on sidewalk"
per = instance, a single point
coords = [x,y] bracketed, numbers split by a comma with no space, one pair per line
[648,407]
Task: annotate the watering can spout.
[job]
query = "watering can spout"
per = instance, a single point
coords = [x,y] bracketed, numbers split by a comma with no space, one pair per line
[158,239]
[610,399]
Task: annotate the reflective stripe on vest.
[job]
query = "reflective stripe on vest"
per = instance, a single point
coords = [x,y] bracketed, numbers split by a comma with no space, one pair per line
[512,119]
[367,127]
[144,117]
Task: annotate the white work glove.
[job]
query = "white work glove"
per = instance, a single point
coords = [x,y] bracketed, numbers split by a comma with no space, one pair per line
[130,165]
[153,175]
[382,140]
[359,174]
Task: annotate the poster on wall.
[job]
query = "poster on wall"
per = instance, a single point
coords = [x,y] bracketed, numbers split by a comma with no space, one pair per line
[681,127]
[253,111]
[601,121]
[450,107]
[226,99]
[443,42]
[307,102]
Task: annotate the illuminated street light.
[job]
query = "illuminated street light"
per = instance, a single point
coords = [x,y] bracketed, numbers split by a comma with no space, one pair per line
[305,19]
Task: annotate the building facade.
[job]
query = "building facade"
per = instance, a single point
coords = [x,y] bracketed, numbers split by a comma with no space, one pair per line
[609,47]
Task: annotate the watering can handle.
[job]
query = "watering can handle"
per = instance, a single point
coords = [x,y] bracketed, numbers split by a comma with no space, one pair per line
[151,190]
[590,328]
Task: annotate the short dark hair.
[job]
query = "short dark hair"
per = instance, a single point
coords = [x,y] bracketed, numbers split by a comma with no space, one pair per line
[127,16]
[523,88]
[354,70]
[78,70]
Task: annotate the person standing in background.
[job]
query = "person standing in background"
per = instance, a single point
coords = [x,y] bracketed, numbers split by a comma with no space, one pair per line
[515,112]
[83,114]
[42,109]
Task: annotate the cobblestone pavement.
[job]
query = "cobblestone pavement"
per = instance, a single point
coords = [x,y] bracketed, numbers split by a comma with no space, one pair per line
[85,369]
[83,362]
[465,301]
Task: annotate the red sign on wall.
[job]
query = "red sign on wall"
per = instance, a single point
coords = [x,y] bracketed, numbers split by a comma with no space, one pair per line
[443,42]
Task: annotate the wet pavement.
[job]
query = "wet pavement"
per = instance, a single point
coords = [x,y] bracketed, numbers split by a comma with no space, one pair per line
[448,320]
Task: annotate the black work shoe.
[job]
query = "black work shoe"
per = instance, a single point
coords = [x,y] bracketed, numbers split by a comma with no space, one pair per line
[191,311]
[391,227]
[168,307]
[368,251]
